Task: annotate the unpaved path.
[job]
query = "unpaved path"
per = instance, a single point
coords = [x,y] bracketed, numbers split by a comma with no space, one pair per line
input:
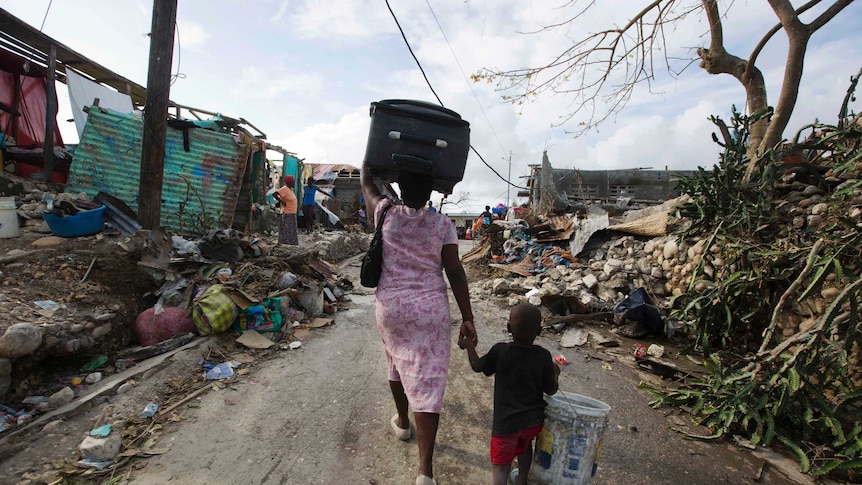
[319,415]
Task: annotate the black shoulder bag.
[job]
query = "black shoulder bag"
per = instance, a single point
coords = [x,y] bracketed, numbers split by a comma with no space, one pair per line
[372,262]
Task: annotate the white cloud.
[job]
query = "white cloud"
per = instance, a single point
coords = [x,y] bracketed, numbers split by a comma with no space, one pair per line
[305,71]
[191,35]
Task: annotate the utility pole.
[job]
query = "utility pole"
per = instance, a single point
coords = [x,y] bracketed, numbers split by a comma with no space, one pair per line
[50,114]
[156,112]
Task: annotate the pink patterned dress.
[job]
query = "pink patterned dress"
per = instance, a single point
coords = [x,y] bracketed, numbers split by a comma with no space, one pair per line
[413,302]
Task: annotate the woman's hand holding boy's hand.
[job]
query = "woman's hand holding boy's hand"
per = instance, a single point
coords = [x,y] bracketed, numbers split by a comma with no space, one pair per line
[467,334]
[465,342]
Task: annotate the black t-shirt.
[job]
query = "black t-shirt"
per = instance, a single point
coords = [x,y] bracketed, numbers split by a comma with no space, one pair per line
[524,373]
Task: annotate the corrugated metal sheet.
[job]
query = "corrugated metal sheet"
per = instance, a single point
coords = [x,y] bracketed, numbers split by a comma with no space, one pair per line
[200,187]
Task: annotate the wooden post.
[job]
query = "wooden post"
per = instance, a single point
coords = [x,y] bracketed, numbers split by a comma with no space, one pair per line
[50,114]
[156,112]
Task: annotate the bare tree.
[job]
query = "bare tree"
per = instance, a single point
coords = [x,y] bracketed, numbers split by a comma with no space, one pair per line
[460,198]
[601,70]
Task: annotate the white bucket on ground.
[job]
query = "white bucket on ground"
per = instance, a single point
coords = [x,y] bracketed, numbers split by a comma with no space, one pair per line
[8,218]
[567,449]
[312,300]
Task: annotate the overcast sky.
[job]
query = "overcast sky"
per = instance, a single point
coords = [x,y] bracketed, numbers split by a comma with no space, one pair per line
[305,72]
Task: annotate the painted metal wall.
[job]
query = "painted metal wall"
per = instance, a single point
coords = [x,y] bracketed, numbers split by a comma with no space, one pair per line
[201,186]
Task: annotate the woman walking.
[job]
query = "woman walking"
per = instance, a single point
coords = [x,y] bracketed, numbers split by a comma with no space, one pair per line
[412,307]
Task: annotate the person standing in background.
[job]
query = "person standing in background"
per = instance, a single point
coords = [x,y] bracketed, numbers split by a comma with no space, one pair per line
[308,203]
[287,227]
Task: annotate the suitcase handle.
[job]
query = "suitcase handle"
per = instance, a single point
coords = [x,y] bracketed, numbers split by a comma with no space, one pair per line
[412,162]
[434,142]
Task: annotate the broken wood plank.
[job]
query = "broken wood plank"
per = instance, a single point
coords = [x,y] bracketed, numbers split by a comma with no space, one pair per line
[580,317]
[140,353]
[22,255]
[186,399]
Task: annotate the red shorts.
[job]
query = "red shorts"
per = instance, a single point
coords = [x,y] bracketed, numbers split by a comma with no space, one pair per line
[504,449]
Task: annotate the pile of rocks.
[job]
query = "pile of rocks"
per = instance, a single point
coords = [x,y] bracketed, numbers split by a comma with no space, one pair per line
[610,273]
[664,265]
[339,245]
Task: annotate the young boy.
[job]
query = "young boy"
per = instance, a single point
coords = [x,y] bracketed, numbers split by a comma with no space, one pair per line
[523,373]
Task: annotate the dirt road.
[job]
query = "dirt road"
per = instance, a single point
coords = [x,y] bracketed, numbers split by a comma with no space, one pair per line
[319,415]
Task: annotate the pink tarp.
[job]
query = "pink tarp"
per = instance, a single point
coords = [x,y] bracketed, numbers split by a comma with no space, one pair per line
[32,96]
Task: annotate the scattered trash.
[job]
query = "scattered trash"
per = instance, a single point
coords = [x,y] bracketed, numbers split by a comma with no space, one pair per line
[98,465]
[561,360]
[219,371]
[95,364]
[36,400]
[49,305]
[319,322]
[573,337]
[295,345]
[123,364]
[149,410]
[639,307]
[76,381]
[655,350]
[640,350]
[606,366]
[101,431]
[254,340]
[286,280]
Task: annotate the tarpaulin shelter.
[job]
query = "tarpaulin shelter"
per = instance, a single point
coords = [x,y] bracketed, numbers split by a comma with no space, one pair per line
[23,99]
[224,163]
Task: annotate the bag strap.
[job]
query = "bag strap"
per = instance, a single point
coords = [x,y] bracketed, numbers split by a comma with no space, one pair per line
[383,217]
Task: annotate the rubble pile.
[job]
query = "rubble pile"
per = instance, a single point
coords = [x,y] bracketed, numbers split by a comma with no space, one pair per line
[604,275]
[338,246]
[68,300]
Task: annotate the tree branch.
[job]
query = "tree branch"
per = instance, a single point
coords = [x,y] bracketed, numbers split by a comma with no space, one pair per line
[760,45]
[827,15]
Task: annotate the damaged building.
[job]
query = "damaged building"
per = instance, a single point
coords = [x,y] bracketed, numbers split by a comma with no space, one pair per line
[560,190]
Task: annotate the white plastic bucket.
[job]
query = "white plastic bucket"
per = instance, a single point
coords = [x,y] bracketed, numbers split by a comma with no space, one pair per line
[312,300]
[567,449]
[8,218]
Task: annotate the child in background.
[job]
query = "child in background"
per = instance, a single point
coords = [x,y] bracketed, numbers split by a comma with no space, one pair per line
[524,373]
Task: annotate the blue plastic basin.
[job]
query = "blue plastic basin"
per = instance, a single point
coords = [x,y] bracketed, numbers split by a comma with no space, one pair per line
[83,223]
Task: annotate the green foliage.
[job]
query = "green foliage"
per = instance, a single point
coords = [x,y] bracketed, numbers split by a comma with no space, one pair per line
[804,390]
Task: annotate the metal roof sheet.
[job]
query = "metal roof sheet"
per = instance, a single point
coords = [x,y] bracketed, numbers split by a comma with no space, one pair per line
[200,186]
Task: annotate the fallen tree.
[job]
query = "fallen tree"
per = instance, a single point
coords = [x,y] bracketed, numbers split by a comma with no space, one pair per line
[777,298]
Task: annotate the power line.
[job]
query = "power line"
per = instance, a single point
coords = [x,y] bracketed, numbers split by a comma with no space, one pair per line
[403,36]
[46,15]
[469,84]
[412,54]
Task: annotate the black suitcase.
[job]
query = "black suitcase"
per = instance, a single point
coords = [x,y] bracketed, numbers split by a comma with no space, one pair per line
[417,137]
